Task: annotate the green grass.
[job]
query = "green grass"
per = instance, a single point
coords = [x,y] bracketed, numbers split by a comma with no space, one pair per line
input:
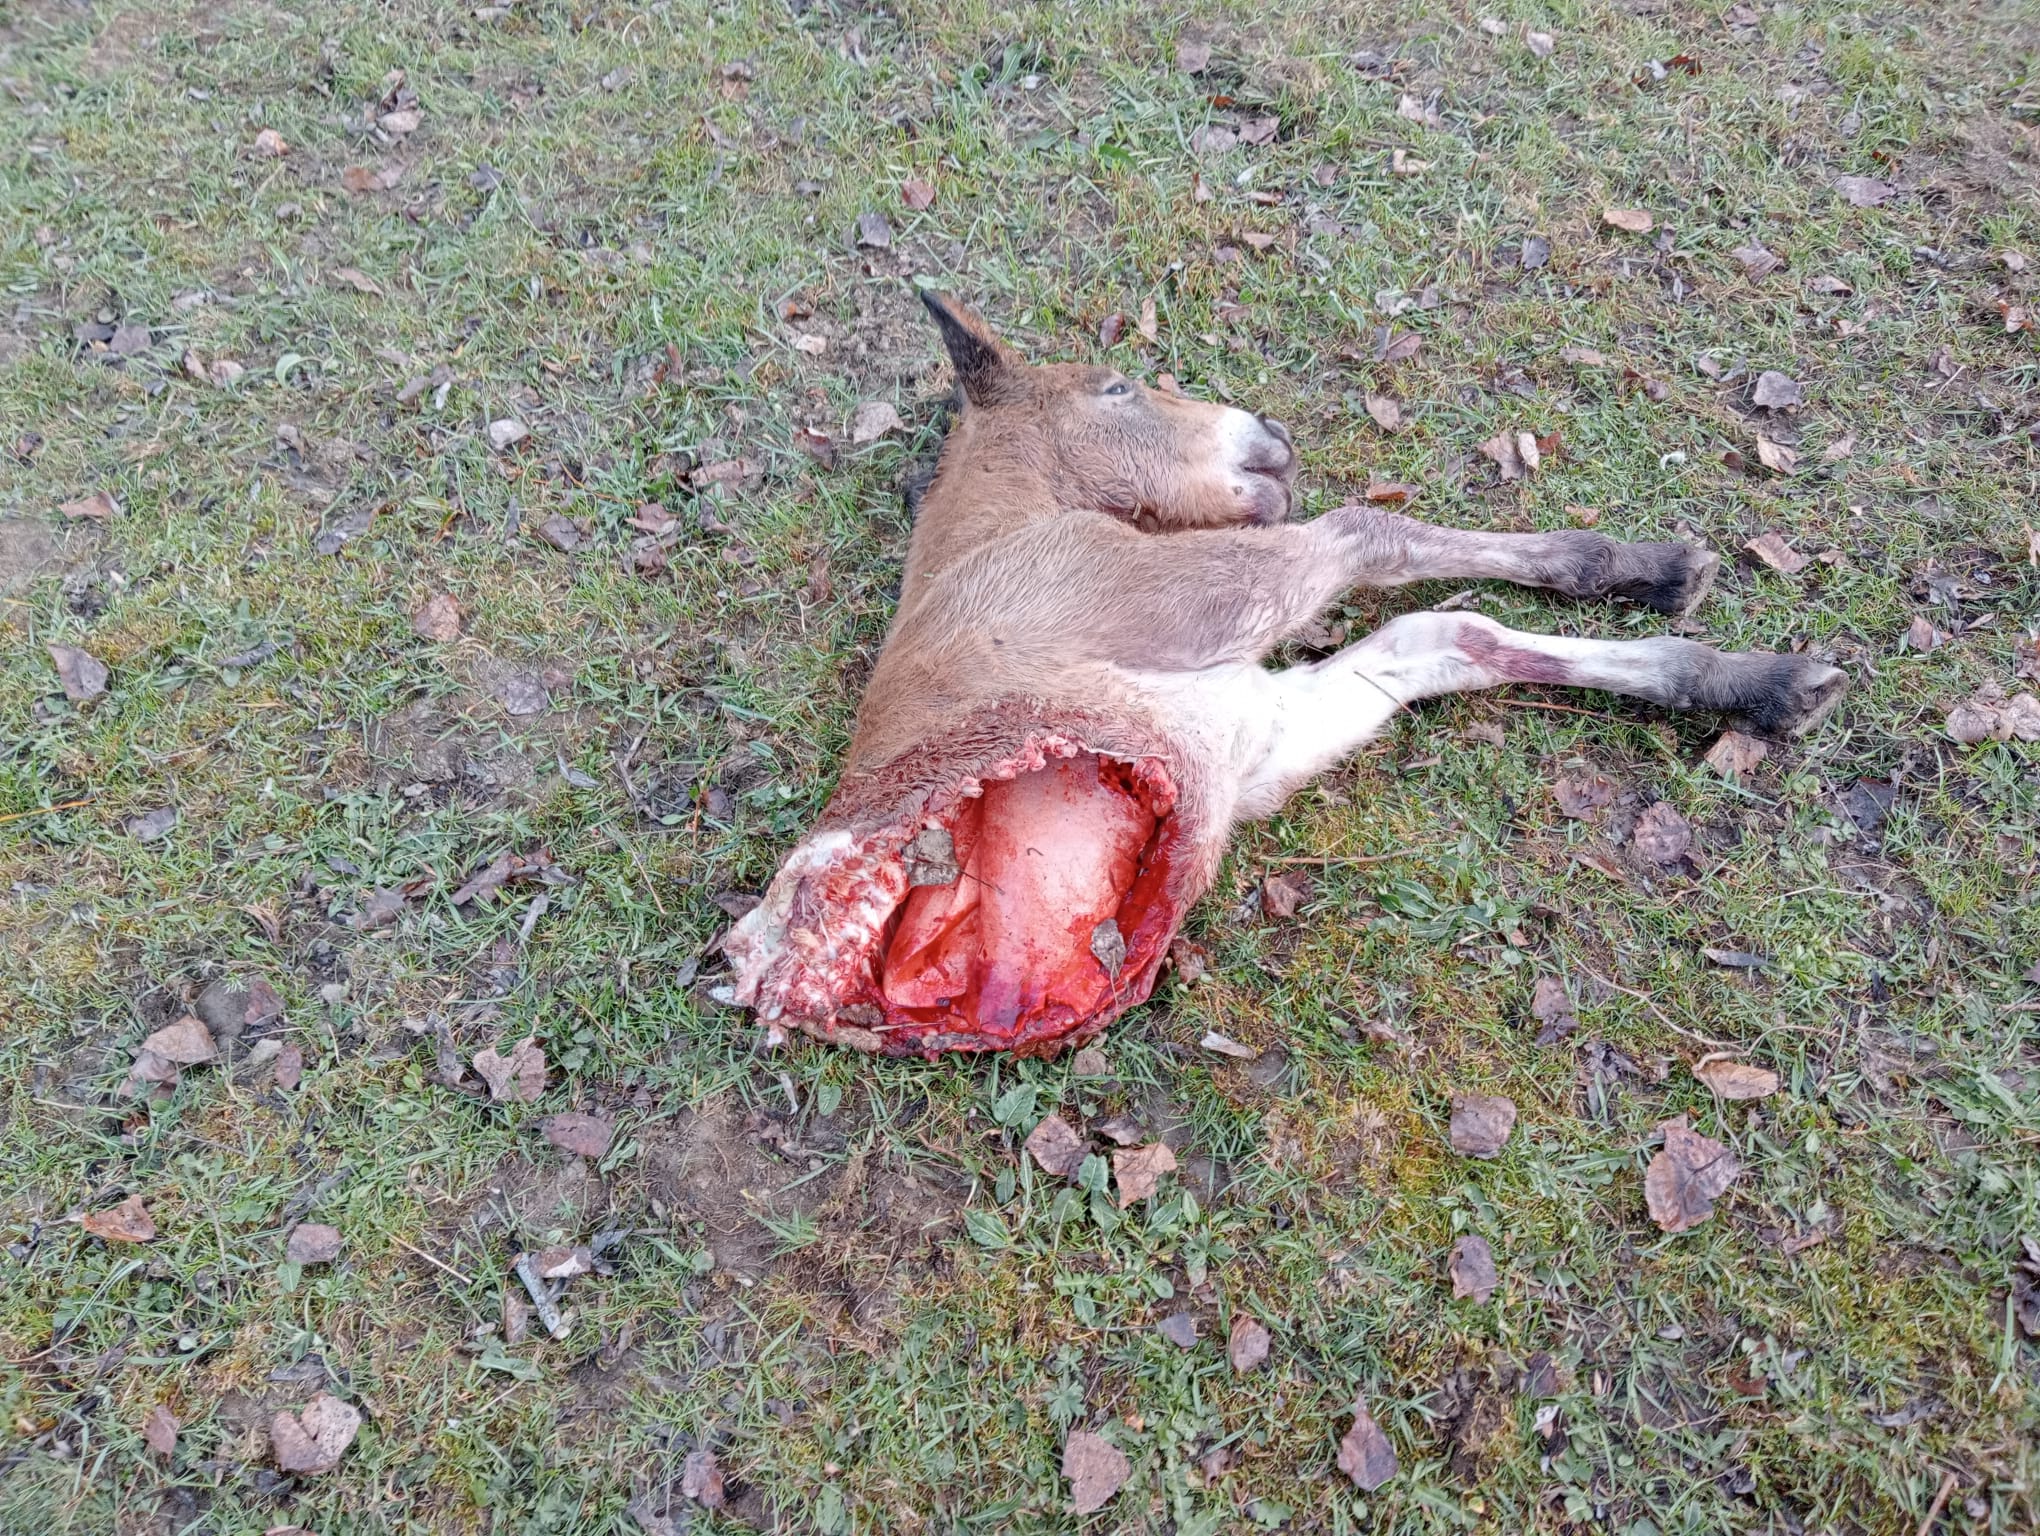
[880,1317]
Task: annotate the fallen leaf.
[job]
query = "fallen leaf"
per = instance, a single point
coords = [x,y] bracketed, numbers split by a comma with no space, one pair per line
[312,1242]
[1922,636]
[1828,284]
[1096,1469]
[1259,130]
[363,179]
[358,280]
[1662,835]
[1191,962]
[404,120]
[1839,449]
[1737,1079]
[1365,1454]
[1056,1147]
[1418,110]
[187,1042]
[1389,493]
[1585,357]
[151,825]
[516,1078]
[1401,349]
[1225,1045]
[1535,252]
[1386,413]
[98,506]
[1471,1267]
[582,1135]
[1777,391]
[1502,448]
[290,1068]
[1635,220]
[159,1431]
[874,233]
[313,1441]
[1685,1179]
[564,1262]
[1552,1006]
[507,433]
[128,1222]
[1192,58]
[1481,1123]
[1863,191]
[82,674]
[1771,548]
[1736,959]
[1734,754]
[1110,329]
[1123,1130]
[437,618]
[1757,261]
[1138,1171]
[872,420]
[270,144]
[1402,163]
[1579,795]
[701,1479]
[1147,325]
[1540,43]
[1108,947]
[1282,894]
[1777,457]
[492,877]
[1212,139]
[1247,1345]
[1180,1329]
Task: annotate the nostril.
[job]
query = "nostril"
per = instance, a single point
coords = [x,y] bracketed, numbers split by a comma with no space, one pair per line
[1276,429]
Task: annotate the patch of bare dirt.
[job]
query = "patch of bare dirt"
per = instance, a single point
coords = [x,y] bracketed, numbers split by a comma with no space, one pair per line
[28,549]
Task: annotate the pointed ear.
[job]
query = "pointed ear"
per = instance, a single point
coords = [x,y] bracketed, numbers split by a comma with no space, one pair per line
[983,365]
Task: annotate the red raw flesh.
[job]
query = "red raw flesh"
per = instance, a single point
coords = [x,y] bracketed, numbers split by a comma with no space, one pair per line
[1007,950]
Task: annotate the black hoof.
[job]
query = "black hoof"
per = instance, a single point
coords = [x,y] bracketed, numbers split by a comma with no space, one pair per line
[1796,695]
[1680,577]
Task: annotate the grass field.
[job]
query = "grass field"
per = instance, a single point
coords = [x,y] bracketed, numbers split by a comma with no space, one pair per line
[274,275]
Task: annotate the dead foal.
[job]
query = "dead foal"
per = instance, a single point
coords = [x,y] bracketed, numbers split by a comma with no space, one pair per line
[1070,713]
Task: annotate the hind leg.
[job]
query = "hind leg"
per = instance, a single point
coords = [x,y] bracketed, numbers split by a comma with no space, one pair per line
[1318,714]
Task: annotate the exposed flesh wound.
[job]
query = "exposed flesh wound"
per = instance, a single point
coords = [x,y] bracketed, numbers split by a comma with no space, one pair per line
[1045,858]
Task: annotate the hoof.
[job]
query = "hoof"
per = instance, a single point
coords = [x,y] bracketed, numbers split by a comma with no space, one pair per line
[1684,577]
[1800,694]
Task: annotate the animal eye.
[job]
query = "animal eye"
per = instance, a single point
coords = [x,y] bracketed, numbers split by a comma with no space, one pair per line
[1119,387]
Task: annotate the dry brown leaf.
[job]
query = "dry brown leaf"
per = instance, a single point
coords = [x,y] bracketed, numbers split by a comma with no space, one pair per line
[1504,448]
[1282,894]
[1386,413]
[1481,1123]
[1247,1344]
[1471,1268]
[1552,1007]
[363,179]
[1579,795]
[1417,110]
[1922,636]
[917,194]
[701,1479]
[1400,349]
[128,1222]
[1777,391]
[582,1135]
[313,1441]
[186,1042]
[1139,1170]
[159,1431]
[1863,191]
[1365,1454]
[872,420]
[1757,261]
[312,1242]
[98,506]
[1148,326]
[1096,1468]
[516,1078]
[1839,449]
[1192,58]
[1737,1079]
[1685,1179]
[1634,220]
[270,145]
[1540,43]
[1771,548]
[1056,1147]
[1733,753]
[1662,835]
[1389,493]
[358,280]
[290,1068]
[82,674]
[1779,458]
[437,618]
